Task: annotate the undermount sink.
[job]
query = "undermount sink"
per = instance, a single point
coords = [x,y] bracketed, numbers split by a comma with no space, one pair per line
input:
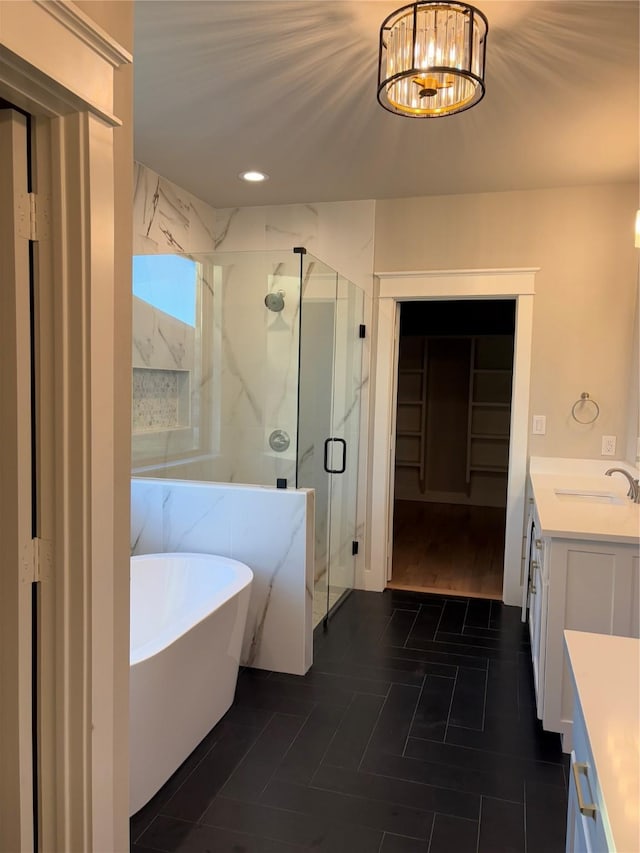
[584,496]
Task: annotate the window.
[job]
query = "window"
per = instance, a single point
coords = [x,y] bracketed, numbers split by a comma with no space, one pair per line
[170,414]
[169,283]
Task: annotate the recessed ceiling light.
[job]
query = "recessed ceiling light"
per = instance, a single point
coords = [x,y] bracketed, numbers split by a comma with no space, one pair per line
[253,176]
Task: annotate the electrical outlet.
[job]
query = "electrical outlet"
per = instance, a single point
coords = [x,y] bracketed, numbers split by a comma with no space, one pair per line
[608,445]
[539,425]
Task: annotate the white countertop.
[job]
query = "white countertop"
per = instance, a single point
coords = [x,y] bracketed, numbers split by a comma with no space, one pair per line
[582,519]
[606,675]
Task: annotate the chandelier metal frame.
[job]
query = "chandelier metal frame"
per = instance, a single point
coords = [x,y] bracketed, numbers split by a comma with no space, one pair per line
[422,68]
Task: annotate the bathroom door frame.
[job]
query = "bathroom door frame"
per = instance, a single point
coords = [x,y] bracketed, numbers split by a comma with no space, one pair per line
[413,286]
[58,66]
[16,498]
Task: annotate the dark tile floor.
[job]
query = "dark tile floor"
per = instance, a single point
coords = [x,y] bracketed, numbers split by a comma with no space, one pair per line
[415,730]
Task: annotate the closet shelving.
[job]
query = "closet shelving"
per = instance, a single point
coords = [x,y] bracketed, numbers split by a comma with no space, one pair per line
[412,407]
[489,404]
[480,443]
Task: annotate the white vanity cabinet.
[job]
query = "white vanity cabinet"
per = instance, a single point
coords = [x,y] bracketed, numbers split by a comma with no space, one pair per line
[575,580]
[592,586]
[603,814]
[585,826]
[536,604]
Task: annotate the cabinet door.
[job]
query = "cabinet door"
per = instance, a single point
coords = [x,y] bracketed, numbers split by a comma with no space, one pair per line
[577,838]
[536,631]
[586,829]
[592,586]
[528,545]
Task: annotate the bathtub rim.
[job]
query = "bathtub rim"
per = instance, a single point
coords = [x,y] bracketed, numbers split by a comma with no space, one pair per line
[242,578]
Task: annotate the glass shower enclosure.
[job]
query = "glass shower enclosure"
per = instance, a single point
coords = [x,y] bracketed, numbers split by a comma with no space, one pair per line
[247,368]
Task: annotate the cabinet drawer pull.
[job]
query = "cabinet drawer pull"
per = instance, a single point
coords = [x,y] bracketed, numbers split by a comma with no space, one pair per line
[587,809]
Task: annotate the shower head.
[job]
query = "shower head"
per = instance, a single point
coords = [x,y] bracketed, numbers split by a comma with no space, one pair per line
[275,300]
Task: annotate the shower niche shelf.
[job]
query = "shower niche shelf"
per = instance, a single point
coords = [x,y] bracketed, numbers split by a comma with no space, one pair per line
[161,399]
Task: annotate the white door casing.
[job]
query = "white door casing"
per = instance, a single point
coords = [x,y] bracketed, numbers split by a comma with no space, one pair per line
[56,64]
[16,778]
[397,287]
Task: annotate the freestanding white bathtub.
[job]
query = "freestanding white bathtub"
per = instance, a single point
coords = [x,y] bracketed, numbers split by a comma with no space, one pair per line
[188,614]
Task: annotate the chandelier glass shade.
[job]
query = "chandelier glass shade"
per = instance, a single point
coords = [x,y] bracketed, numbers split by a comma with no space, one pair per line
[432,58]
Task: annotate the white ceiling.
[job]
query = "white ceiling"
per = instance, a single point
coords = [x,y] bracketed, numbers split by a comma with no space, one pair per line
[289,87]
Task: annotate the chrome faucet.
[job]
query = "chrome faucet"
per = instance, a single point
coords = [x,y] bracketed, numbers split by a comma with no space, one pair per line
[634,485]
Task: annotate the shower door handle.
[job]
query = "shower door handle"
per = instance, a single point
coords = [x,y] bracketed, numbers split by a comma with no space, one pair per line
[341,470]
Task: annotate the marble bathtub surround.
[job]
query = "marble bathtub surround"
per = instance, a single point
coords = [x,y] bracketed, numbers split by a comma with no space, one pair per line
[271,530]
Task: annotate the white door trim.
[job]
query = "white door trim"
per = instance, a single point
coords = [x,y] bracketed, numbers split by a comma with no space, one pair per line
[396,287]
[56,64]
[17,570]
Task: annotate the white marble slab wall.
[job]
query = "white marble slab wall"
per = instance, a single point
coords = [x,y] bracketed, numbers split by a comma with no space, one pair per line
[271,530]
[161,341]
[259,365]
[168,219]
[339,233]
[342,235]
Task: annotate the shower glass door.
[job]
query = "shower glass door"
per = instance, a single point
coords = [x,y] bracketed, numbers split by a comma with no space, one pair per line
[329,423]
[345,432]
[315,402]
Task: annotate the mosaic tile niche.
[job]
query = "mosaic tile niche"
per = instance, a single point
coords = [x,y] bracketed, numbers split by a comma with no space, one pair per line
[160,399]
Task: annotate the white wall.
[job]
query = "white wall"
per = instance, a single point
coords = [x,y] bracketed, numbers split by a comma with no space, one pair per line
[582,240]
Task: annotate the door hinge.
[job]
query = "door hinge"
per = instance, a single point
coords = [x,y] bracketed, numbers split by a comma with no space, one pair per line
[36,564]
[362,331]
[355,546]
[33,216]
[39,216]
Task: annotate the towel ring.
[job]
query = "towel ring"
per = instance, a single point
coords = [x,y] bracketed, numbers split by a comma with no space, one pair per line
[579,404]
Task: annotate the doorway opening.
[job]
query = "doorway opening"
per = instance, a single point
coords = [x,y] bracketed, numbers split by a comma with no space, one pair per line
[453,415]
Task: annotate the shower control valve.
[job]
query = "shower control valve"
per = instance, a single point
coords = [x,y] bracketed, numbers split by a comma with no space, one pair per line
[279,440]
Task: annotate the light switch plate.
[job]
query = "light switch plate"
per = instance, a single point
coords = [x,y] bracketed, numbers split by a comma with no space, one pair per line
[539,425]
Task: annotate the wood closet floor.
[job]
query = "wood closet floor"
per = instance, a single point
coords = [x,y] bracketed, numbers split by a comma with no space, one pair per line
[448,548]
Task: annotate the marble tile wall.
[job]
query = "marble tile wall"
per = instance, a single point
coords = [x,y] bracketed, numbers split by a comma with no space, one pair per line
[271,530]
[259,364]
[341,234]
[166,382]
[338,233]
[161,341]
[168,219]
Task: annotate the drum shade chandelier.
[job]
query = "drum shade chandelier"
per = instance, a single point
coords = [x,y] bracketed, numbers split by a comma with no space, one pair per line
[431,60]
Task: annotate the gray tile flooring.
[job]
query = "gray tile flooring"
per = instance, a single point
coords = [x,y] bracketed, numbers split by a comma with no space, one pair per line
[415,730]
